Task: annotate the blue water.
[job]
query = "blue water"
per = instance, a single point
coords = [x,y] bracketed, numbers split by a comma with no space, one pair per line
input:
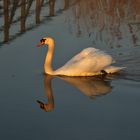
[110,112]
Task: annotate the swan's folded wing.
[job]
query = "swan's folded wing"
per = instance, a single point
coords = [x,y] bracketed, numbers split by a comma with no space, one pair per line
[80,56]
[89,60]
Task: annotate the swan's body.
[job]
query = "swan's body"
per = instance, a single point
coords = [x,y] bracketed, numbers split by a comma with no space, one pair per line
[88,62]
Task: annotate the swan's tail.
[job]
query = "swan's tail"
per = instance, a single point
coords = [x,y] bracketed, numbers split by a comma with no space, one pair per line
[113,69]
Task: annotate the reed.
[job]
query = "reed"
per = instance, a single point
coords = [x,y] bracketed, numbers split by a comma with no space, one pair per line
[89,12]
[26,8]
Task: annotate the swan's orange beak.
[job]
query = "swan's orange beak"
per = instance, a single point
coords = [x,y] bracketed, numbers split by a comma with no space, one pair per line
[40,44]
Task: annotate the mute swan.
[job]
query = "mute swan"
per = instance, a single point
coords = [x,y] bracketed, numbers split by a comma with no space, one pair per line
[88,62]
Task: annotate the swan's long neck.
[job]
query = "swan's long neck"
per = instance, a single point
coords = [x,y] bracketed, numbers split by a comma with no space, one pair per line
[48,60]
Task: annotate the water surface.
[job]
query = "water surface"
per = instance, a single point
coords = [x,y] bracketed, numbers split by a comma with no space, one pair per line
[36,106]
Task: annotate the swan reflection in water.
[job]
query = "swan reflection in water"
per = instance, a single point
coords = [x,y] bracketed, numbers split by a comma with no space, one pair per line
[48,91]
[89,86]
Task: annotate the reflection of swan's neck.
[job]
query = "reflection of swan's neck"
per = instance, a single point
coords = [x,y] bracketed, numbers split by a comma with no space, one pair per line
[48,60]
[48,90]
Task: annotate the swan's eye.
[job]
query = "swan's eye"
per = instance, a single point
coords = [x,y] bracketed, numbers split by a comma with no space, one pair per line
[42,42]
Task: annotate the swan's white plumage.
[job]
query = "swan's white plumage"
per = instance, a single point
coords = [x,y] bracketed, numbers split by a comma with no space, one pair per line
[88,62]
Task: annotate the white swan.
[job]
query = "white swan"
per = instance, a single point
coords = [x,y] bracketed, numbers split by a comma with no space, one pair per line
[88,62]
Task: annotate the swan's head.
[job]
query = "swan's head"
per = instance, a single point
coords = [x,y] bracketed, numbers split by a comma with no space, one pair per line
[46,41]
[46,107]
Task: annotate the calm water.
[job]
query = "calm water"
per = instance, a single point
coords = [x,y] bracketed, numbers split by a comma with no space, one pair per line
[35,106]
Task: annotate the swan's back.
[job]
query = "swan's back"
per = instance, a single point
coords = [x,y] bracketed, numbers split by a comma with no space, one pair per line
[89,61]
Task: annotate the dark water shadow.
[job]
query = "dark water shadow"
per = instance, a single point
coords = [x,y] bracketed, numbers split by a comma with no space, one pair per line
[19,12]
[89,86]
